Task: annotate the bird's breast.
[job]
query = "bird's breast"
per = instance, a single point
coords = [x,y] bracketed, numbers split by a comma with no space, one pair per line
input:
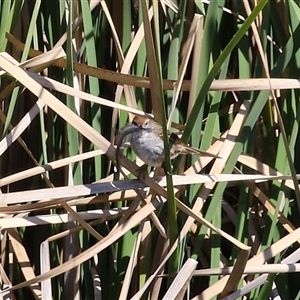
[148,147]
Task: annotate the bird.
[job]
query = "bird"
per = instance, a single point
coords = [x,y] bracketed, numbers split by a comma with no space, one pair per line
[146,140]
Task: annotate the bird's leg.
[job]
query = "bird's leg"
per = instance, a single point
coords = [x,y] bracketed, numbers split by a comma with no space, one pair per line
[142,172]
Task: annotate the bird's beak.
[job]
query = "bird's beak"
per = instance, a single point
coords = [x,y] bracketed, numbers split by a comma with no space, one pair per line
[128,129]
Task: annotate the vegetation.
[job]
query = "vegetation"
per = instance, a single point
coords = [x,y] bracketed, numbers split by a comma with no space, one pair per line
[222,73]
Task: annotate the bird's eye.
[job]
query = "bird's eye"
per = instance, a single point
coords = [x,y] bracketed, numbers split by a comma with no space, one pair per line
[146,123]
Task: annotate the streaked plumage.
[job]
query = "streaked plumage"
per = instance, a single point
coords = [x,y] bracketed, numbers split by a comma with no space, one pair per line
[146,139]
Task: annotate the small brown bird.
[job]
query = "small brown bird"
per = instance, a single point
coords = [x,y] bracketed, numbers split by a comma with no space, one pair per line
[146,139]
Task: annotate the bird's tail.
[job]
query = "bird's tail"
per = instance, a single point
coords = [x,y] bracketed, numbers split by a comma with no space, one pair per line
[192,150]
